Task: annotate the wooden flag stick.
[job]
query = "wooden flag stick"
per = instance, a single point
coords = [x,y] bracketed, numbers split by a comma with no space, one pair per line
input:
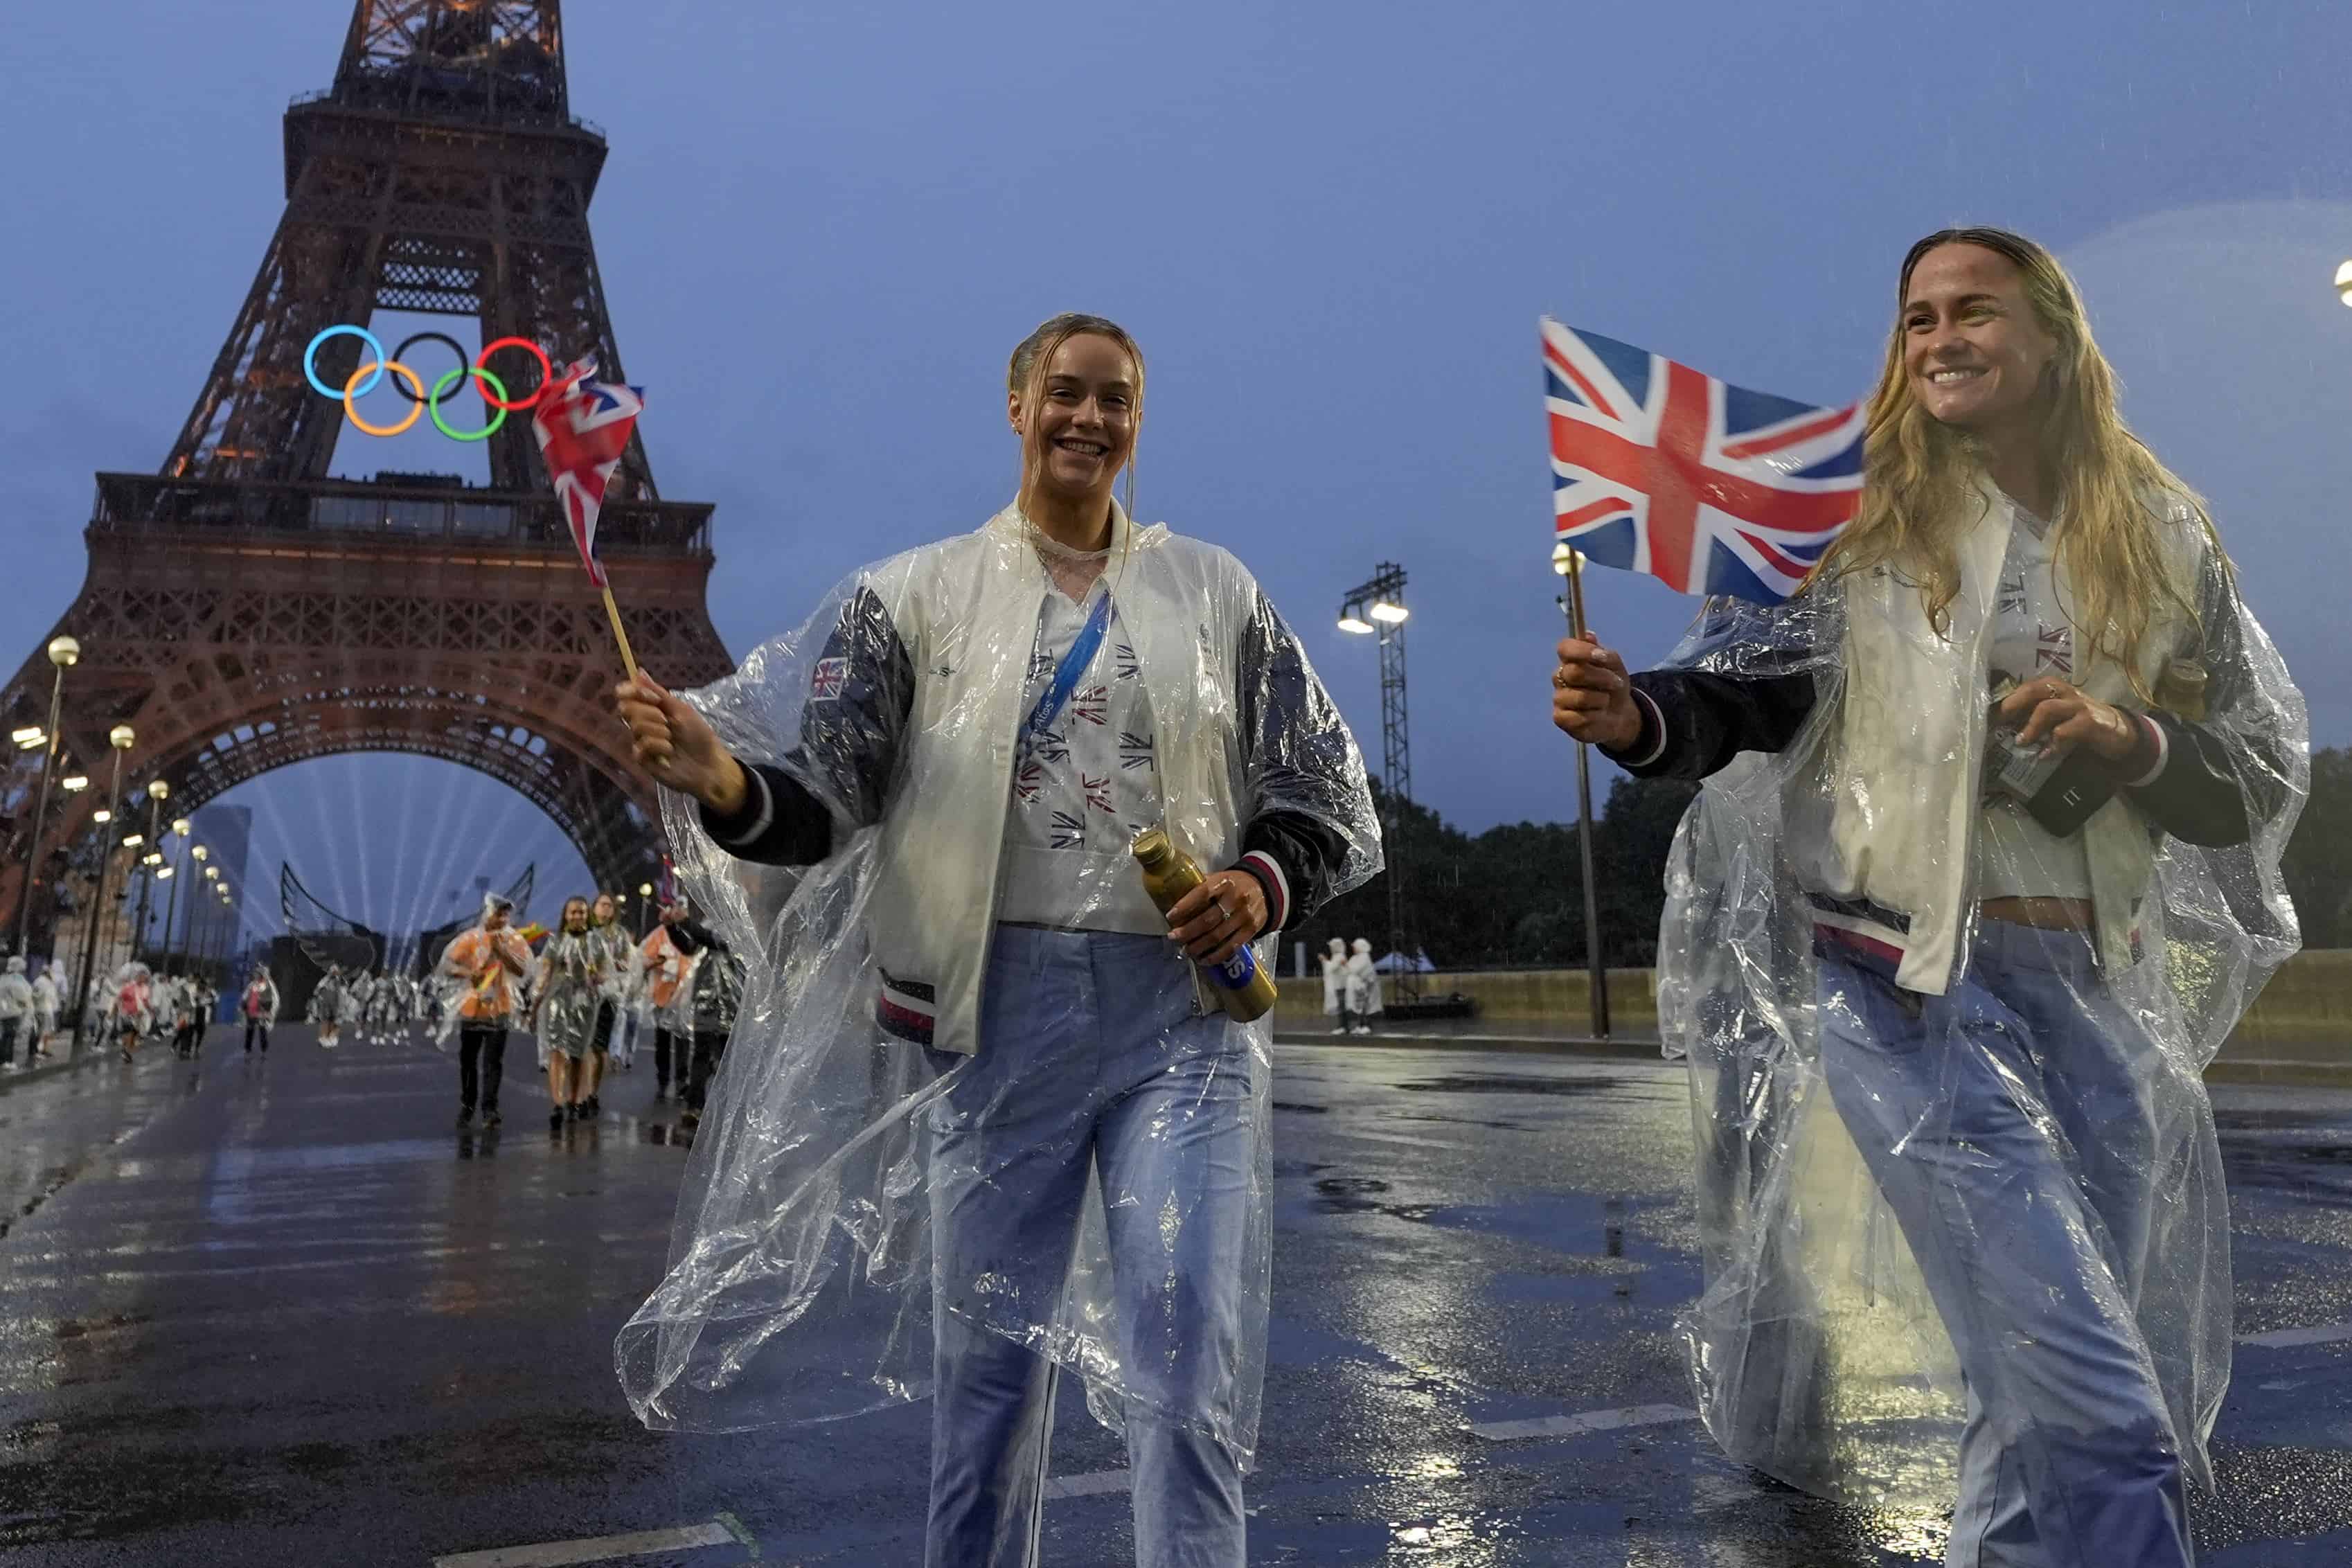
[627,659]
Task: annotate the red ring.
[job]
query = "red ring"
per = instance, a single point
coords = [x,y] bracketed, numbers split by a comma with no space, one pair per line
[546,372]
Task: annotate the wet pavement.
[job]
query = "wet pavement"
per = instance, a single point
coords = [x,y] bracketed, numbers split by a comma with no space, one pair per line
[278,1312]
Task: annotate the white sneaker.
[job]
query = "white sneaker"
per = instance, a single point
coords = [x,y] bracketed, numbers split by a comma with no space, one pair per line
[1339,1028]
[1362,1030]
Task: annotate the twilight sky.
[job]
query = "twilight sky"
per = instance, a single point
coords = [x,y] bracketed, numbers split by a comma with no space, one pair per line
[823,227]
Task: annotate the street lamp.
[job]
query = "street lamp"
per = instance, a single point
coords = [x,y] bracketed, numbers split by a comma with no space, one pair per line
[64,653]
[1376,607]
[179,826]
[2344,282]
[1568,562]
[157,792]
[644,907]
[121,740]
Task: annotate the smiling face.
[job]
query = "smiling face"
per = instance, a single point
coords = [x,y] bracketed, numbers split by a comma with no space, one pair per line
[575,914]
[1977,357]
[1085,418]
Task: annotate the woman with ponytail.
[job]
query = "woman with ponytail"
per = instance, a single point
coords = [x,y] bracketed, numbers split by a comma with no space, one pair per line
[992,1094]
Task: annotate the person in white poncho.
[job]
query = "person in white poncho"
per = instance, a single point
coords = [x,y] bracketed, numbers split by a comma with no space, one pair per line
[993,1125]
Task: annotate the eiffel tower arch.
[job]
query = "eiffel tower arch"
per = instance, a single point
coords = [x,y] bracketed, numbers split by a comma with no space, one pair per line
[242,610]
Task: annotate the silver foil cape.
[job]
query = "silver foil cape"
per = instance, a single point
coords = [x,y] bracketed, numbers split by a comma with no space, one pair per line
[1816,1352]
[801,1283]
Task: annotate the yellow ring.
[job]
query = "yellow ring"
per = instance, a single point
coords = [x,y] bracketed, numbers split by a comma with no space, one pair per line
[416,409]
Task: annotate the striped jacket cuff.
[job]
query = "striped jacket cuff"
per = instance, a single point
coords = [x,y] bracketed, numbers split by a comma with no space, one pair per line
[744,828]
[1268,872]
[2163,744]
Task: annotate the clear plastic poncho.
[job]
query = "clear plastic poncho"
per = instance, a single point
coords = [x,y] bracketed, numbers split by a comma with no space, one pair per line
[805,1281]
[573,968]
[1999,1086]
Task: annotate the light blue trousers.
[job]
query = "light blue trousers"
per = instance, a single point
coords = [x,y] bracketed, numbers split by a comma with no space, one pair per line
[1091,1066]
[2013,1126]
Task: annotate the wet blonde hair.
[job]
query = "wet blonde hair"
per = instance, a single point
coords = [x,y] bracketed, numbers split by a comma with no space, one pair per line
[1024,377]
[1919,473]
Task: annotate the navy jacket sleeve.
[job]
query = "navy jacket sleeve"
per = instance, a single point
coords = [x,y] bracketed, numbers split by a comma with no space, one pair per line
[862,692]
[1294,747]
[2215,785]
[1693,723]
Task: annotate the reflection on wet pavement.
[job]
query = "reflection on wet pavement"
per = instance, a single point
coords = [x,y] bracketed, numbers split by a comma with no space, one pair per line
[276,1312]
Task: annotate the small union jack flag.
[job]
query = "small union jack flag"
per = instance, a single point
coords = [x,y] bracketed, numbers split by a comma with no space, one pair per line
[584,426]
[828,678]
[1709,487]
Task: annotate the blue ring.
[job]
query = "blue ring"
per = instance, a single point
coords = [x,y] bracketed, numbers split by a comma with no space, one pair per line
[310,357]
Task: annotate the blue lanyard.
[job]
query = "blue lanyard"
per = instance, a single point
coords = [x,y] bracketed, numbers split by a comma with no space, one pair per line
[1066,675]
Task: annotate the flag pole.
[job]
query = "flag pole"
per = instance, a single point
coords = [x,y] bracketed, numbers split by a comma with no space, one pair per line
[628,659]
[1597,974]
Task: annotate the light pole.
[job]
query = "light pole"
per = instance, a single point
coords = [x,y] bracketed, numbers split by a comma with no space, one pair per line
[63,653]
[1377,607]
[1569,563]
[157,792]
[644,907]
[195,943]
[121,739]
[180,826]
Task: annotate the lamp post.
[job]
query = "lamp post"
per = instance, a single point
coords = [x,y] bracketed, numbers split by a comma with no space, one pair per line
[63,653]
[1569,563]
[644,907]
[121,740]
[157,792]
[1376,607]
[179,826]
[196,942]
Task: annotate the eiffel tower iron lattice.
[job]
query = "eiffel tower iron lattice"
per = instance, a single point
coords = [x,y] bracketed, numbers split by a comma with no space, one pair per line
[243,610]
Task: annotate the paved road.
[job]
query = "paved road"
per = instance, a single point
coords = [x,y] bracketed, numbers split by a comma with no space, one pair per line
[278,1312]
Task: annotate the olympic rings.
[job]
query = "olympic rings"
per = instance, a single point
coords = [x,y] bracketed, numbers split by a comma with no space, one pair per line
[376,369]
[483,382]
[487,383]
[401,353]
[546,372]
[310,359]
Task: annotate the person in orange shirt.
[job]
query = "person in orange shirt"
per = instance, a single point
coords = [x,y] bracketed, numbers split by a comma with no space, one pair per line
[665,967]
[486,961]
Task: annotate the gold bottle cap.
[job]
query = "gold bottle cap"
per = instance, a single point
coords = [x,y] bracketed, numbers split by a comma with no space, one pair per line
[1152,846]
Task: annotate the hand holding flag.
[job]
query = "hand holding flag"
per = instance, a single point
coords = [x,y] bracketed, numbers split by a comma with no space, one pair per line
[584,426]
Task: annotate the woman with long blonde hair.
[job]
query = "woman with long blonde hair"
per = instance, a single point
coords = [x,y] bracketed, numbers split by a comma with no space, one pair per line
[970,1002]
[2023,764]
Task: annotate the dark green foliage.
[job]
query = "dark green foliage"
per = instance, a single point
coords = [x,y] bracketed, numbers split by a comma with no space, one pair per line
[2319,855]
[1513,896]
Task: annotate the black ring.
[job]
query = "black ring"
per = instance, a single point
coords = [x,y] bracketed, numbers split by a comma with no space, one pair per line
[401,353]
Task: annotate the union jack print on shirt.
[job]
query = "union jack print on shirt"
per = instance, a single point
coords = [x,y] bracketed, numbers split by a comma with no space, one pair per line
[1093,705]
[1069,831]
[1709,487]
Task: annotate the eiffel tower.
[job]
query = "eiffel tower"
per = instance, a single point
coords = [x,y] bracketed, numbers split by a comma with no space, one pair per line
[243,610]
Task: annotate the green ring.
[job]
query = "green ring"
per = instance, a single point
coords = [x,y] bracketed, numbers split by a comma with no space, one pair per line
[433,403]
